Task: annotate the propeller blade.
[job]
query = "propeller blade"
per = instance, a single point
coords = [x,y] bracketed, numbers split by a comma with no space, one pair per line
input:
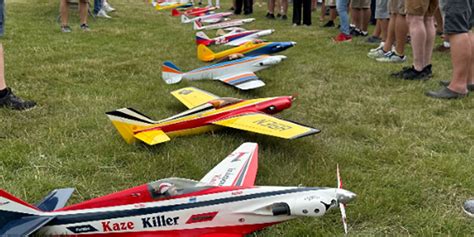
[342,207]
[339,180]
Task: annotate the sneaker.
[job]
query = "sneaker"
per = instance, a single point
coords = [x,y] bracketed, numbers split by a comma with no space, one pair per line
[341,37]
[392,57]
[284,17]
[66,29]
[85,27]
[376,54]
[446,93]
[270,16]
[364,33]
[356,32]
[428,71]
[400,73]
[374,40]
[102,14]
[470,87]
[278,15]
[107,7]
[443,49]
[413,74]
[11,101]
[381,45]
[468,207]
[329,24]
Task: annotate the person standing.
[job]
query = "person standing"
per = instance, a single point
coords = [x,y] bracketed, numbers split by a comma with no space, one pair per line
[360,17]
[345,34]
[459,19]
[64,11]
[247,6]
[298,6]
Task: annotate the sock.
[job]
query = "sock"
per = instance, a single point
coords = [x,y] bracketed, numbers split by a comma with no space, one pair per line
[446,44]
[3,92]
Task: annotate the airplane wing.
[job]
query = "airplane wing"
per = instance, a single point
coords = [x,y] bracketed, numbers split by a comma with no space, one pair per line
[268,125]
[192,97]
[237,169]
[243,81]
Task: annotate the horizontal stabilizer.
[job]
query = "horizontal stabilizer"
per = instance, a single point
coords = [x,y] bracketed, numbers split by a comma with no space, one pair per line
[24,226]
[55,200]
[152,137]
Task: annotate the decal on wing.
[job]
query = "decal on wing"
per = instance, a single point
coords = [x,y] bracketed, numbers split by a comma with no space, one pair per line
[243,81]
[192,97]
[268,125]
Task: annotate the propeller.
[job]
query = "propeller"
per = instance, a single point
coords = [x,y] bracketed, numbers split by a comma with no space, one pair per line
[342,205]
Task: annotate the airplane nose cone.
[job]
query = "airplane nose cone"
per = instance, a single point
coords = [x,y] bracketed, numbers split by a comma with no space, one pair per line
[344,196]
[293,43]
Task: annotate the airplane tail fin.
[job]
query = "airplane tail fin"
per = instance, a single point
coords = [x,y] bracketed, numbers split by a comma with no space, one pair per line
[128,120]
[202,38]
[204,53]
[175,12]
[184,19]
[171,73]
[197,25]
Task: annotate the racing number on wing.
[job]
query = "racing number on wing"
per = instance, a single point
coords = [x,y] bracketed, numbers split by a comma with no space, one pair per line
[272,125]
[185,92]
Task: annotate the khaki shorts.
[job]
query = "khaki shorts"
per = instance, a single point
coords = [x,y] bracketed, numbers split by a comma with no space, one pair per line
[421,7]
[397,7]
[360,4]
[330,3]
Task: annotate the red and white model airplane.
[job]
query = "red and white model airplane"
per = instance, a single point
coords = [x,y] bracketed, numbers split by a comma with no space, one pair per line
[225,202]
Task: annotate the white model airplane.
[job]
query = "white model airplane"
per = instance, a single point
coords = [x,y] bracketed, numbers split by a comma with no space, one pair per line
[234,38]
[211,18]
[225,202]
[238,73]
[220,25]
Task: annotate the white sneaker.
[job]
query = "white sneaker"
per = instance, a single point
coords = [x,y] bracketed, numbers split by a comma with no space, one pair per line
[381,45]
[392,57]
[103,14]
[107,7]
[379,53]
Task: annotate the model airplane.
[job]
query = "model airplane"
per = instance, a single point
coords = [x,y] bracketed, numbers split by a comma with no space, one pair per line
[225,202]
[208,112]
[252,48]
[197,11]
[238,73]
[220,25]
[210,18]
[172,5]
[233,38]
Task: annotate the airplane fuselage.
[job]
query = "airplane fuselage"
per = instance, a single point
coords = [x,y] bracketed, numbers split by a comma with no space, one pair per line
[226,210]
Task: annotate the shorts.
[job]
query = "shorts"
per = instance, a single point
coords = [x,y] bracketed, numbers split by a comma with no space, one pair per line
[381,9]
[331,3]
[421,7]
[459,16]
[397,7]
[360,4]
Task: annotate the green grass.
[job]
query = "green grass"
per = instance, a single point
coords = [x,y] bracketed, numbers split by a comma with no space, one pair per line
[408,157]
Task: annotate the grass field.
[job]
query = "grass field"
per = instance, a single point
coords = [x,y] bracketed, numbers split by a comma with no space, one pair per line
[408,157]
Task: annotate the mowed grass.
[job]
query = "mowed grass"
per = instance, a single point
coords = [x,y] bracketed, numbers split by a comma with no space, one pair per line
[408,157]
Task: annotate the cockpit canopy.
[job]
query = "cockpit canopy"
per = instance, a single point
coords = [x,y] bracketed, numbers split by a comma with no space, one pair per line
[170,187]
[223,102]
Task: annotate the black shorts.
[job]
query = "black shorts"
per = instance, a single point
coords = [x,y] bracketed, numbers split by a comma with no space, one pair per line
[459,16]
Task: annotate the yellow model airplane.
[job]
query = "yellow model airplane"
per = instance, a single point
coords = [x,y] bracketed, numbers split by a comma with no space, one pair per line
[252,48]
[171,5]
[208,112]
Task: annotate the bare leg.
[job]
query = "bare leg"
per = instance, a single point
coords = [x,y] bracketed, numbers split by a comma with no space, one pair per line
[355,17]
[430,39]
[332,13]
[284,7]
[439,20]
[470,79]
[418,40]
[401,30]
[271,6]
[83,11]
[323,11]
[462,61]
[3,85]
[383,28]
[63,9]
[377,30]
[390,33]
[364,19]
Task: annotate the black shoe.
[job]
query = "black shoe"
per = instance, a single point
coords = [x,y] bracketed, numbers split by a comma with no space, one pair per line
[427,71]
[445,93]
[329,24]
[11,101]
[470,87]
[400,73]
[85,27]
[247,13]
[413,74]
[270,16]
[374,40]
[278,15]
[356,32]
[284,17]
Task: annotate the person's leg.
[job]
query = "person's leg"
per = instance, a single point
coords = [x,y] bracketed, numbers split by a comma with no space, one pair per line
[462,61]
[390,33]
[63,9]
[307,12]
[297,5]
[430,40]
[2,17]
[383,29]
[355,17]
[97,6]
[3,84]
[332,14]
[238,6]
[284,7]
[271,7]
[343,16]
[323,10]
[401,30]
[83,8]
[377,31]
[417,29]
[365,18]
